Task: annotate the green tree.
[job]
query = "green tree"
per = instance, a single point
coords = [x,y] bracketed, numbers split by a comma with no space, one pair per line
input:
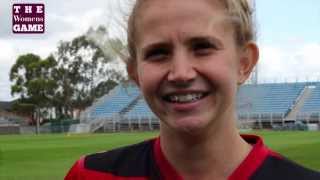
[33,82]
[83,71]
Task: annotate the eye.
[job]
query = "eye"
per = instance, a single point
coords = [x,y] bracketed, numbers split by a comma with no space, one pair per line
[157,53]
[203,47]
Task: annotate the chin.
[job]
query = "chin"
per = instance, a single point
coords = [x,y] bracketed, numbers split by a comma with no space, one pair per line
[190,125]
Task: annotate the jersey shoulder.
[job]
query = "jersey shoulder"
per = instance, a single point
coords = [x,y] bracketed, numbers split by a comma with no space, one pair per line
[129,161]
[277,167]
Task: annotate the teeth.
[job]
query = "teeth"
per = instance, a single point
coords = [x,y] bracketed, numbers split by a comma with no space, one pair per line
[185,98]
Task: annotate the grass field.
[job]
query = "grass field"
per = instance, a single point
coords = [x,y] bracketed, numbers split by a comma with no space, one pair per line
[48,157]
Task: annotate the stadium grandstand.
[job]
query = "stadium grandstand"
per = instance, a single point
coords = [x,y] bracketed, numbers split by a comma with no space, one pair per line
[123,108]
[258,105]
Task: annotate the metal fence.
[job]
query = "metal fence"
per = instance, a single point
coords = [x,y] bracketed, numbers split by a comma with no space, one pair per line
[275,120]
[117,123]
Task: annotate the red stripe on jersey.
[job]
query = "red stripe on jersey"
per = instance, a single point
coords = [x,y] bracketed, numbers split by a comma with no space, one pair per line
[166,169]
[253,160]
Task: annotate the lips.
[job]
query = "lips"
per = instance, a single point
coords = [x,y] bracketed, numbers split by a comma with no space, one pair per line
[186,97]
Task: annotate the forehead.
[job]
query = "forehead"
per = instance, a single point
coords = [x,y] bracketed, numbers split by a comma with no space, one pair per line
[193,5]
[197,16]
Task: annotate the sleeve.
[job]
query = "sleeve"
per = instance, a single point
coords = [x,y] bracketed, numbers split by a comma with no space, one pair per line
[75,171]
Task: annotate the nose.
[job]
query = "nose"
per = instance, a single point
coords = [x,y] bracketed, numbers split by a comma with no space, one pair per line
[181,69]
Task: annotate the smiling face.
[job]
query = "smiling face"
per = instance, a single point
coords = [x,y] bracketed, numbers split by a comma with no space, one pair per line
[188,65]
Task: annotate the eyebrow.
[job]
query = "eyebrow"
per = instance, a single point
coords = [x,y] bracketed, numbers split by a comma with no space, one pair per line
[156,46]
[189,41]
[211,39]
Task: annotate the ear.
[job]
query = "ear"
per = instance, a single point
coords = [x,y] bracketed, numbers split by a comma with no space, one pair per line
[132,71]
[248,60]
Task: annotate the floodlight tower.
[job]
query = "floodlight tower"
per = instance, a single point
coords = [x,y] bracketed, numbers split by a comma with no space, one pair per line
[254,75]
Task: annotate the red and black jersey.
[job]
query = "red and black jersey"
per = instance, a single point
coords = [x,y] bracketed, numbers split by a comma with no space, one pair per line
[146,161]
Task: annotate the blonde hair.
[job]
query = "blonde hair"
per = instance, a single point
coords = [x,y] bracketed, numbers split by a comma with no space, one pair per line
[240,11]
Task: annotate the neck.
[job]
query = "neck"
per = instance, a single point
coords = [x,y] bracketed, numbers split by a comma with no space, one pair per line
[213,154]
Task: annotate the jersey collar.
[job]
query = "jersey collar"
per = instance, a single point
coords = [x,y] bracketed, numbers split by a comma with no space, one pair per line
[244,171]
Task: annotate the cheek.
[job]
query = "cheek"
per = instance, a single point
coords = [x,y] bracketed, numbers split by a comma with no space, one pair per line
[222,73]
[149,76]
[220,69]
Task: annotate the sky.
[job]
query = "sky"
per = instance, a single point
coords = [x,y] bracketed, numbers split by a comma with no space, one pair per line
[288,35]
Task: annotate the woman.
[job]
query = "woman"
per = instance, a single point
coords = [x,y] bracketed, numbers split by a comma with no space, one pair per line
[188,58]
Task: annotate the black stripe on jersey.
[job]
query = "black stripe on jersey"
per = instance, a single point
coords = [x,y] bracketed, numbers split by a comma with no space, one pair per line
[276,168]
[131,161]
